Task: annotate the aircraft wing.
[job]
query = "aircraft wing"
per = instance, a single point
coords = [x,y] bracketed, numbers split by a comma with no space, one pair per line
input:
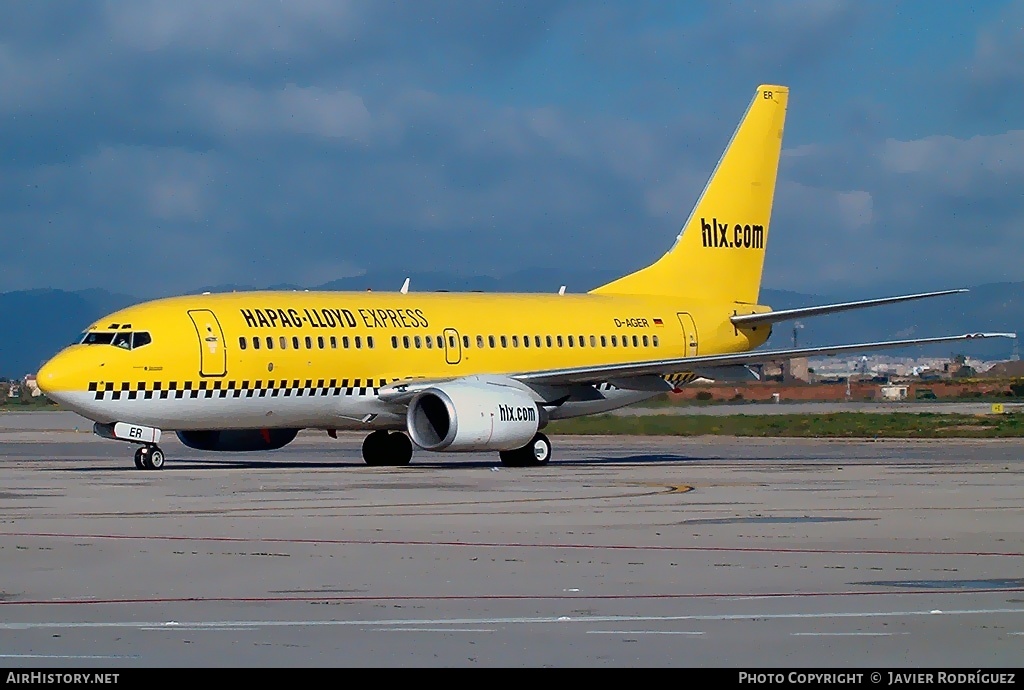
[598,374]
[745,320]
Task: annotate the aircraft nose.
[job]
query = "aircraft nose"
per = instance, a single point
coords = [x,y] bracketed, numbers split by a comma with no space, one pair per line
[54,376]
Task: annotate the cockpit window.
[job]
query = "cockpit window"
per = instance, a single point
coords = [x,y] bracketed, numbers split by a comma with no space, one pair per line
[126,340]
[97,338]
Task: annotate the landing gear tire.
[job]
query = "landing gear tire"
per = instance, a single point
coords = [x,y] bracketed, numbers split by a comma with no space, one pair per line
[149,458]
[375,448]
[384,449]
[156,459]
[399,449]
[534,454]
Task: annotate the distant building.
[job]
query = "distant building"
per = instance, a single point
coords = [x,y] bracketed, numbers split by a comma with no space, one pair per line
[894,392]
[796,369]
[32,386]
[1006,370]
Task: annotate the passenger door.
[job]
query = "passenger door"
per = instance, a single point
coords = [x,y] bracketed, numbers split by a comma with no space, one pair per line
[213,356]
[689,334]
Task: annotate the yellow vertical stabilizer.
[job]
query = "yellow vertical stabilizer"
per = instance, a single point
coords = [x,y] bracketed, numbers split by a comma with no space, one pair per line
[720,252]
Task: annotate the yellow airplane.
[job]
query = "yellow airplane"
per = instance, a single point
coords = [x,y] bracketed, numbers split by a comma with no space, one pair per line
[451,371]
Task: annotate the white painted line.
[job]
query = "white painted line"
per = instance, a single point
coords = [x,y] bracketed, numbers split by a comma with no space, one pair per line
[193,628]
[751,616]
[447,630]
[846,634]
[69,656]
[643,632]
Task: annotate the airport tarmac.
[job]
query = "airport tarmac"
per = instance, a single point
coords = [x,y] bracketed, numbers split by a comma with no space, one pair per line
[623,552]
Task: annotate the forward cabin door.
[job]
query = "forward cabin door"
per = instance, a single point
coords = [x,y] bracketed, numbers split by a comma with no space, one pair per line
[689,334]
[213,356]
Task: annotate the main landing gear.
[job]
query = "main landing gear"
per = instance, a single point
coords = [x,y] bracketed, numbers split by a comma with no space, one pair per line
[534,454]
[387,448]
[393,449]
[149,457]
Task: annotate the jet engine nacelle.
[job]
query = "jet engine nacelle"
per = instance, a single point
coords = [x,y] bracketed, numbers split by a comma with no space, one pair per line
[472,416]
[238,439]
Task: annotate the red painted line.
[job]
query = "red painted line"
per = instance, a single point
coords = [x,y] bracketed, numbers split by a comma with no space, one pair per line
[507,597]
[494,545]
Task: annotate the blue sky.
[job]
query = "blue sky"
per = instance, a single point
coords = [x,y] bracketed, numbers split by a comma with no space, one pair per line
[154,147]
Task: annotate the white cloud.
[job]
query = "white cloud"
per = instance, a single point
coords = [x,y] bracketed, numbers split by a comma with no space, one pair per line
[956,158]
[229,109]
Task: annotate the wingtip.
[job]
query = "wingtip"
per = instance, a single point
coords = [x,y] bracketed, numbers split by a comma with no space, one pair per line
[989,335]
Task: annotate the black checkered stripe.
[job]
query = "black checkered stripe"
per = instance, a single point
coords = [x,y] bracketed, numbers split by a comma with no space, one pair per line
[680,378]
[271,388]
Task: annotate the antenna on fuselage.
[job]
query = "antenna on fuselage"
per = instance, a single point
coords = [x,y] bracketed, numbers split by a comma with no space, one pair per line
[561,290]
[405,286]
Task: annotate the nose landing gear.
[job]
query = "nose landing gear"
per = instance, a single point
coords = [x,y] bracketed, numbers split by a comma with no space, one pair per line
[149,458]
[148,455]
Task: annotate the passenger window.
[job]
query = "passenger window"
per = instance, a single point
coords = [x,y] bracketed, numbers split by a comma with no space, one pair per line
[654,339]
[334,342]
[480,341]
[645,341]
[369,341]
[142,338]
[241,343]
[451,341]
[515,341]
[625,341]
[309,343]
[295,342]
[270,343]
[405,341]
[490,340]
[559,339]
[284,343]
[604,341]
[548,340]
[571,339]
[582,342]
[320,341]
[440,342]
[504,341]
[344,341]
[593,341]
[123,341]
[465,341]
[394,342]
[417,341]
[526,341]
[615,341]
[255,343]
[359,342]
[536,340]
[430,343]
[635,342]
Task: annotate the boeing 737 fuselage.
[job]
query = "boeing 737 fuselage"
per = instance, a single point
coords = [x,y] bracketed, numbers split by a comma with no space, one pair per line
[450,371]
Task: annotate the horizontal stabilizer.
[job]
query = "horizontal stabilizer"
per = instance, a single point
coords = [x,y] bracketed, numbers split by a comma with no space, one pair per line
[748,320]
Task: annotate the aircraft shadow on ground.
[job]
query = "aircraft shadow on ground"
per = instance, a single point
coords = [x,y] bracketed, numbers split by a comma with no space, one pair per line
[450,463]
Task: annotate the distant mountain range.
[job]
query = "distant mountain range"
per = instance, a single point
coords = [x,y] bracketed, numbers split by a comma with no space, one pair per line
[38,323]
